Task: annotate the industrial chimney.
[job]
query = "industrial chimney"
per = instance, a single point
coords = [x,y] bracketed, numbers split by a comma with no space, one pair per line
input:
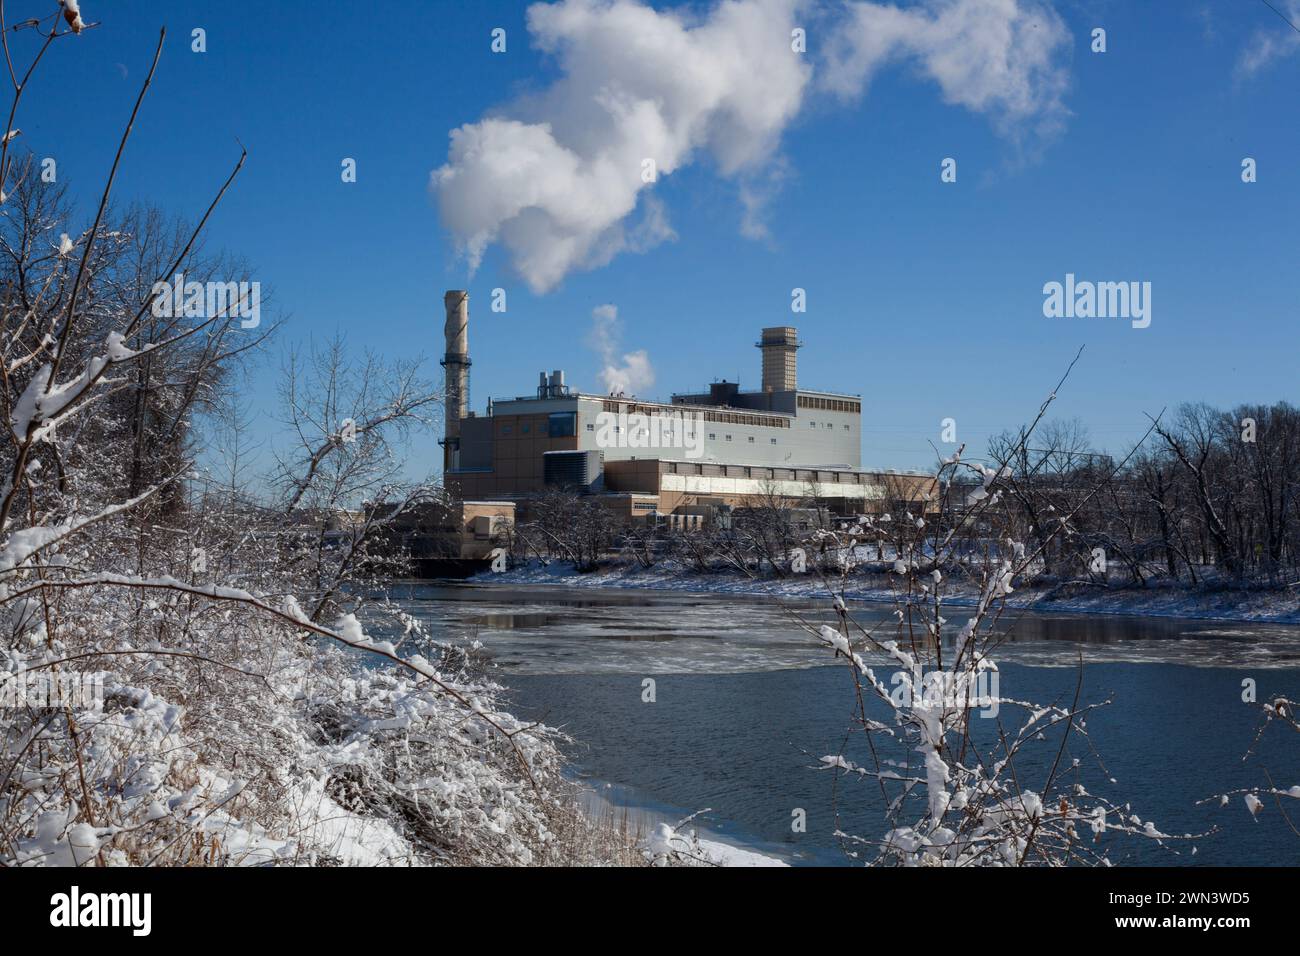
[456,362]
[779,344]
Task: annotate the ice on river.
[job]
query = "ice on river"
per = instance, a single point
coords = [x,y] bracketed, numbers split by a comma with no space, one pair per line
[559,630]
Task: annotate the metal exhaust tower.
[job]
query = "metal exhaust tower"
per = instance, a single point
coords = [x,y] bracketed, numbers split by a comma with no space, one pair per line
[456,363]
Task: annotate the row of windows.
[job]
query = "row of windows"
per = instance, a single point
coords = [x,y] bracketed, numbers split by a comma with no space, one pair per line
[830,404]
[722,418]
[713,436]
[755,471]
[827,424]
[558,425]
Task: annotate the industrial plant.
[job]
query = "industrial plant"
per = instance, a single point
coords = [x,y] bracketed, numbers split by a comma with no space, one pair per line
[681,461]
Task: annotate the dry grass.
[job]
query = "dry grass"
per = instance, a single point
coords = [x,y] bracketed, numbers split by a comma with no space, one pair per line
[608,838]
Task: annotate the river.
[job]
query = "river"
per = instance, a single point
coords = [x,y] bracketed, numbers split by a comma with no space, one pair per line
[746,702]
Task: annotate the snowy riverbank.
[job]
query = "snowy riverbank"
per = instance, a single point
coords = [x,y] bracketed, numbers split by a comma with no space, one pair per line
[672,832]
[1263,606]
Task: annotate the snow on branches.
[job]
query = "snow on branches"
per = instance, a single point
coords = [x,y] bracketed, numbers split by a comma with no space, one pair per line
[191,674]
[952,755]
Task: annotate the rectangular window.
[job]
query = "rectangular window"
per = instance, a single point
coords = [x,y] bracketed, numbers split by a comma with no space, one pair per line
[772,440]
[728,438]
[751,439]
[562,424]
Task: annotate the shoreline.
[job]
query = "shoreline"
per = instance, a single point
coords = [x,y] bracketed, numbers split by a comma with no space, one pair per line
[1281,606]
[662,826]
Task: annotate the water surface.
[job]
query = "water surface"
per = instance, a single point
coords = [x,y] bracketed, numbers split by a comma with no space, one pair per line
[746,703]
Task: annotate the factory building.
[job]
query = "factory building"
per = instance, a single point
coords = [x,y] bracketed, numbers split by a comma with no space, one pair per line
[723,447]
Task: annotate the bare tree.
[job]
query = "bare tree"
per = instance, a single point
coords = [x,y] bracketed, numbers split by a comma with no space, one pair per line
[226,727]
[956,796]
[340,481]
[570,525]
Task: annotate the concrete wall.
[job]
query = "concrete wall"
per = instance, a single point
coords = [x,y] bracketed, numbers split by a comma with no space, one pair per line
[685,484]
[640,476]
[502,454]
[744,435]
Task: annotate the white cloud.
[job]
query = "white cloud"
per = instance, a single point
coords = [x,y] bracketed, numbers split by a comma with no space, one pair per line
[1271,44]
[629,374]
[556,177]
[1000,58]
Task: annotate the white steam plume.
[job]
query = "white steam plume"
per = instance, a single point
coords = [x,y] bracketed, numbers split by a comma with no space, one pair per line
[556,180]
[1002,58]
[628,374]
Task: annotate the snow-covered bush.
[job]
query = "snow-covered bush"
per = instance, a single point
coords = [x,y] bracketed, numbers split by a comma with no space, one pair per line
[185,677]
[971,777]
[227,735]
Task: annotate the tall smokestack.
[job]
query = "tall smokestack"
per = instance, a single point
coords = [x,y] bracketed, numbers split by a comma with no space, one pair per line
[456,362]
[779,345]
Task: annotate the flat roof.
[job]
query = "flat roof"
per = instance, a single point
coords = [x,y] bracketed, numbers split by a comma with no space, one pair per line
[798,390]
[818,391]
[676,408]
[593,396]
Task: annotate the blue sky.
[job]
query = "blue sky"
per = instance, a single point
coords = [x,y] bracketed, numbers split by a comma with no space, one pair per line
[925,297]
